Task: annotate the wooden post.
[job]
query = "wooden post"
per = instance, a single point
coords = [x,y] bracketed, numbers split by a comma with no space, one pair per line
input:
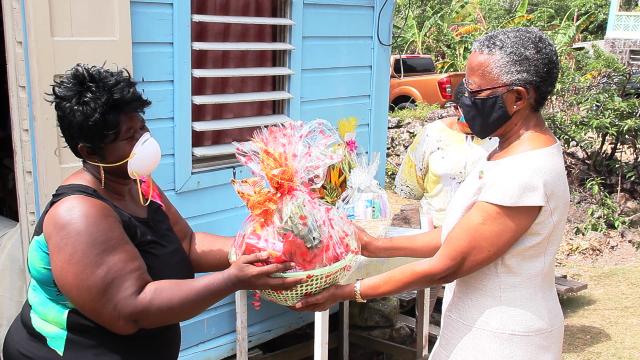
[422,324]
[321,336]
[242,336]
[344,330]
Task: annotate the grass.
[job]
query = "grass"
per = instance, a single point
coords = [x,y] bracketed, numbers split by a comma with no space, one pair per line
[419,112]
[603,322]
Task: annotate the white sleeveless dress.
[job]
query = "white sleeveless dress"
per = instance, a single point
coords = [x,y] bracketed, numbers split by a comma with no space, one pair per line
[509,309]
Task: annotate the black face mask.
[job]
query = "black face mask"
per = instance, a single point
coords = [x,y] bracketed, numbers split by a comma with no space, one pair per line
[484,115]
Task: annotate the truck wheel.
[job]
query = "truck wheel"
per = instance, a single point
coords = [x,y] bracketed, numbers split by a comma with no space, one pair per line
[406,105]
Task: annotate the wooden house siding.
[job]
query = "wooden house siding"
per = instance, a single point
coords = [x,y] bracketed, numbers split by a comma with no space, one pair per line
[340,69]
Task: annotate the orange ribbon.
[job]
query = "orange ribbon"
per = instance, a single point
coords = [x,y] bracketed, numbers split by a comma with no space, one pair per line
[261,201]
[278,170]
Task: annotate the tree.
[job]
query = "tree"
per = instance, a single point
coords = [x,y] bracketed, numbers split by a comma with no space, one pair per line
[446,29]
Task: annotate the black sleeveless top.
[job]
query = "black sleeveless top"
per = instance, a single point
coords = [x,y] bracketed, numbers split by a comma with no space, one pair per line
[50,327]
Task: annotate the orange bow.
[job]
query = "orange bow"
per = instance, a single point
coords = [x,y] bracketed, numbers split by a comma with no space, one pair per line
[261,201]
[278,170]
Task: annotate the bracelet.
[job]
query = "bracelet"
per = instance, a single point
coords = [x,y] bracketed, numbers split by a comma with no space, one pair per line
[356,292]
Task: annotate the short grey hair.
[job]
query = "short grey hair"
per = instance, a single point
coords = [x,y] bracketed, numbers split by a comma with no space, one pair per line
[523,57]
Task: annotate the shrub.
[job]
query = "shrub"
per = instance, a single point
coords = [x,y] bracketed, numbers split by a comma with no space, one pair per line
[604,213]
[598,125]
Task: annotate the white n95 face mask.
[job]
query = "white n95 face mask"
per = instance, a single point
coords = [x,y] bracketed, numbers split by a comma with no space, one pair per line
[143,160]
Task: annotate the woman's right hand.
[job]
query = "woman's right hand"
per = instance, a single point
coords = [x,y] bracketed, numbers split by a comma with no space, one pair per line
[248,276]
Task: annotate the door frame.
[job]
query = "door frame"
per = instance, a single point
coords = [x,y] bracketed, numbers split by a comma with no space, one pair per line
[17,81]
[56,40]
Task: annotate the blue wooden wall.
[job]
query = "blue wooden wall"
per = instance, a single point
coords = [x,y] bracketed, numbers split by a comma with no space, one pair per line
[340,69]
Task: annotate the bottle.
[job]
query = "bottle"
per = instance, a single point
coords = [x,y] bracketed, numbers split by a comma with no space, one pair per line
[426,219]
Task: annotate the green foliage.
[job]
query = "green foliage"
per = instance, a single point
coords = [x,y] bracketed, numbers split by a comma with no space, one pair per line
[446,29]
[599,127]
[430,28]
[419,112]
[573,10]
[603,214]
[594,119]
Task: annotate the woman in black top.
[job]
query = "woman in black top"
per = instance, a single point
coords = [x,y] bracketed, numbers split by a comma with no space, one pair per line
[111,260]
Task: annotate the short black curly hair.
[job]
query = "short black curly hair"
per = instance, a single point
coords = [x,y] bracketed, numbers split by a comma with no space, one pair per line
[523,57]
[89,103]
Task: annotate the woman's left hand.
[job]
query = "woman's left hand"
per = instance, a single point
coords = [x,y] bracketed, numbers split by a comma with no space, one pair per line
[365,240]
[325,299]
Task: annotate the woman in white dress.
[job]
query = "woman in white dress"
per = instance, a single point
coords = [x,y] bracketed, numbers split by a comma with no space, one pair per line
[505,223]
[437,162]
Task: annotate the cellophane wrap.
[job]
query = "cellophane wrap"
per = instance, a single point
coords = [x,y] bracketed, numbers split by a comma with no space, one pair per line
[286,219]
[364,199]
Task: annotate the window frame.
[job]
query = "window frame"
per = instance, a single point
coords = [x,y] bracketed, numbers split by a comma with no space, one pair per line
[185,178]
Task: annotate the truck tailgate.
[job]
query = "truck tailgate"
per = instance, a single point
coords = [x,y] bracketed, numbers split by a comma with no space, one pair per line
[456,78]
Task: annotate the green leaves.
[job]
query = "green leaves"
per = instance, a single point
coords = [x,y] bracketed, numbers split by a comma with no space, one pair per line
[599,127]
[604,212]
[521,10]
[446,29]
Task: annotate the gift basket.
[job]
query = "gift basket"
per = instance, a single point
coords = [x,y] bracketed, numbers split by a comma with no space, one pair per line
[364,201]
[286,217]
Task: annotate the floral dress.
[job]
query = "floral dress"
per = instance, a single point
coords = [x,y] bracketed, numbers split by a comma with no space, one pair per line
[436,163]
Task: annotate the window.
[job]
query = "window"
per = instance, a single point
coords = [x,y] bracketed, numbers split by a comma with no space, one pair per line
[634,56]
[240,74]
[409,65]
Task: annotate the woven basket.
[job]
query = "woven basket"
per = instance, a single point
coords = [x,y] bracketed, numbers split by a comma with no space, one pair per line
[317,280]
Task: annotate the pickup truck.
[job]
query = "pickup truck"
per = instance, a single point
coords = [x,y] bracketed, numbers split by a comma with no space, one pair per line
[414,79]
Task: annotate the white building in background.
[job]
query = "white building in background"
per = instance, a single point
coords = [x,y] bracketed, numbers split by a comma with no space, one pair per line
[623,31]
